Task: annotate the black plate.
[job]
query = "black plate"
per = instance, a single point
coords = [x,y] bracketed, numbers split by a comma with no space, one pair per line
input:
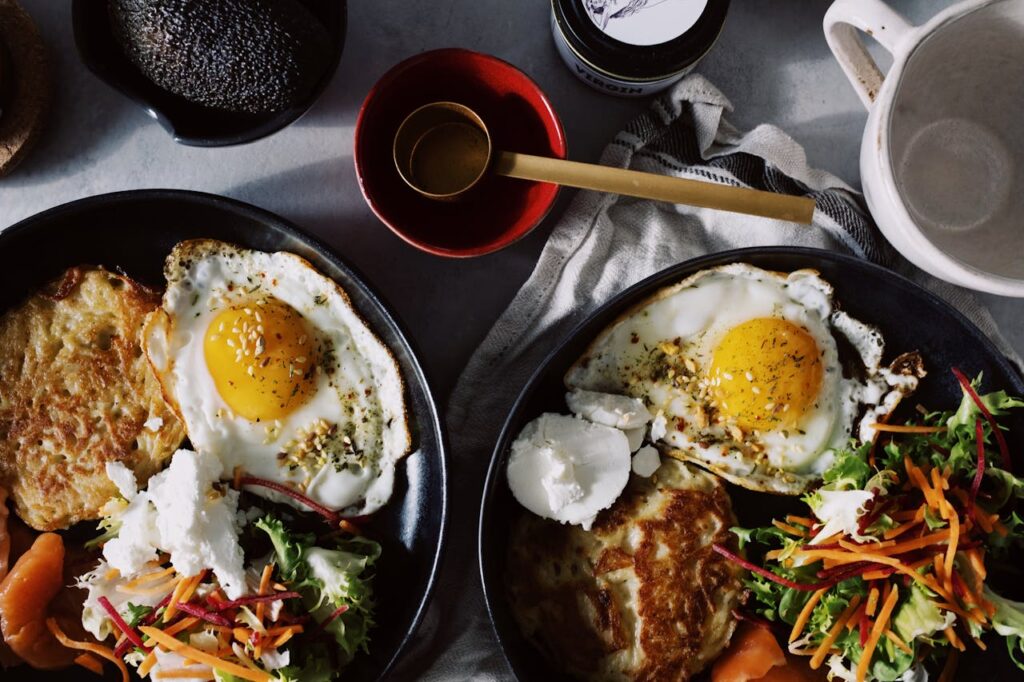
[135,231]
[187,122]
[908,316]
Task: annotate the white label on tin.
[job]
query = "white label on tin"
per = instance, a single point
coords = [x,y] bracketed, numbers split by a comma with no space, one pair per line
[644,22]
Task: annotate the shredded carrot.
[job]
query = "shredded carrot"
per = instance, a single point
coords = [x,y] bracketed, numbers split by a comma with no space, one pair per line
[241,634]
[867,547]
[899,643]
[981,644]
[181,625]
[897,428]
[147,664]
[99,650]
[805,614]
[349,527]
[983,520]
[284,637]
[236,483]
[901,529]
[876,575]
[264,586]
[949,670]
[1000,528]
[285,628]
[954,538]
[935,538]
[90,663]
[855,619]
[773,554]
[175,598]
[802,520]
[849,557]
[833,633]
[953,639]
[183,674]
[939,563]
[112,574]
[792,530]
[202,657]
[278,587]
[876,633]
[150,577]
[162,588]
[872,601]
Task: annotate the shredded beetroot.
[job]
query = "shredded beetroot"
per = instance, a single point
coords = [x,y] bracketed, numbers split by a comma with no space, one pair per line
[864,627]
[958,586]
[201,613]
[1004,449]
[976,483]
[847,569]
[754,568]
[294,494]
[129,632]
[153,615]
[254,599]
[337,612]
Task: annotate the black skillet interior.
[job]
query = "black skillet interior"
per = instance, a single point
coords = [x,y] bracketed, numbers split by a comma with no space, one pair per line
[133,232]
[190,123]
[910,319]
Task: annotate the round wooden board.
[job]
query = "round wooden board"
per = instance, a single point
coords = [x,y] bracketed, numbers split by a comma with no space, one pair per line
[24,84]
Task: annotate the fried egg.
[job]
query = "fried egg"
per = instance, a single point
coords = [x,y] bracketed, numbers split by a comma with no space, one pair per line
[272,370]
[753,374]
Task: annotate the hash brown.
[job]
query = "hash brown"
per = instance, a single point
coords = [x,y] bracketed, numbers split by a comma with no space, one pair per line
[642,596]
[77,392]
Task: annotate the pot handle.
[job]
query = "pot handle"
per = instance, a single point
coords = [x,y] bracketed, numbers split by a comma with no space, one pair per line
[879,21]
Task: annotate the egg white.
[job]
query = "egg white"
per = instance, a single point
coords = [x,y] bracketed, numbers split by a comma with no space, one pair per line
[697,313]
[358,388]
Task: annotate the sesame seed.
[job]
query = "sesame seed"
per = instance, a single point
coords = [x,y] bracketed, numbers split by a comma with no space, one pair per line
[750,376]
[769,407]
[300,359]
[250,371]
[728,377]
[755,390]
[231,343]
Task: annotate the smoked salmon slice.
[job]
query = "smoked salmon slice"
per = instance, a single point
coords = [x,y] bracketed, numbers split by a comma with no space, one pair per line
[752,653]
[25,596]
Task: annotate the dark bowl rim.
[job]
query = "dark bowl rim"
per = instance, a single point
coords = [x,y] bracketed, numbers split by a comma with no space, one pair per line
[266,217]
[386,81]
[274,124]
[633,291]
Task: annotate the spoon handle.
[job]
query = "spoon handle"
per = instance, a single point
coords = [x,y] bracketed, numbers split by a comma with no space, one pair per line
[654,186]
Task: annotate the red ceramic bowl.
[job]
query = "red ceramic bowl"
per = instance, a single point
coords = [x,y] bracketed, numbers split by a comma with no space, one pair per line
[520,118]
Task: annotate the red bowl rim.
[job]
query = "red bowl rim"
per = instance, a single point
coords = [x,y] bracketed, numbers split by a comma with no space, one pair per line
[504,240]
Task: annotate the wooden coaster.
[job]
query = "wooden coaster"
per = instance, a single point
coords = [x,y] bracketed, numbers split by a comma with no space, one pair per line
[24,84]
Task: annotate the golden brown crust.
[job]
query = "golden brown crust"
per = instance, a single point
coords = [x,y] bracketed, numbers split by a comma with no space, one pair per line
[642,596]
[76,392]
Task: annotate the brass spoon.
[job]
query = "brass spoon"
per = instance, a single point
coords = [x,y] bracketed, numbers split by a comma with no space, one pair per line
[443,149]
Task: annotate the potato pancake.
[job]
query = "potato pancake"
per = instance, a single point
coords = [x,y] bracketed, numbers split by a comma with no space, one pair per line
[77,392]
[641,596]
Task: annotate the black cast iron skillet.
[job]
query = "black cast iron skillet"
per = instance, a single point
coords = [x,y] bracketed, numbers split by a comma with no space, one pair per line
[910,319]
[133,232]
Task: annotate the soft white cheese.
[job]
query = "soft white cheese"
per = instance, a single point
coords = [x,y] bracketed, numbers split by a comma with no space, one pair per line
[559,478]
[183,514]
[123,478]
[609,409]
[646,461]
[555,454]
[635,438]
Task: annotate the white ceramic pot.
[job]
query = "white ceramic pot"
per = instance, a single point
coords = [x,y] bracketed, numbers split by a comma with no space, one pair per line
[942,159]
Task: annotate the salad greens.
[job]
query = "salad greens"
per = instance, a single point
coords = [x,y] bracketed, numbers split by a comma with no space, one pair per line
[886,575]
[335,589]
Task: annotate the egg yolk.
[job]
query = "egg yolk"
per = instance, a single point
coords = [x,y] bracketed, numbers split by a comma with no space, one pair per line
[261,358]
[766,374]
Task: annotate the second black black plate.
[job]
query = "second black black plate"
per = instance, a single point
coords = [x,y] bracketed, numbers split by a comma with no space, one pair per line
[134,232]
[909,317]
